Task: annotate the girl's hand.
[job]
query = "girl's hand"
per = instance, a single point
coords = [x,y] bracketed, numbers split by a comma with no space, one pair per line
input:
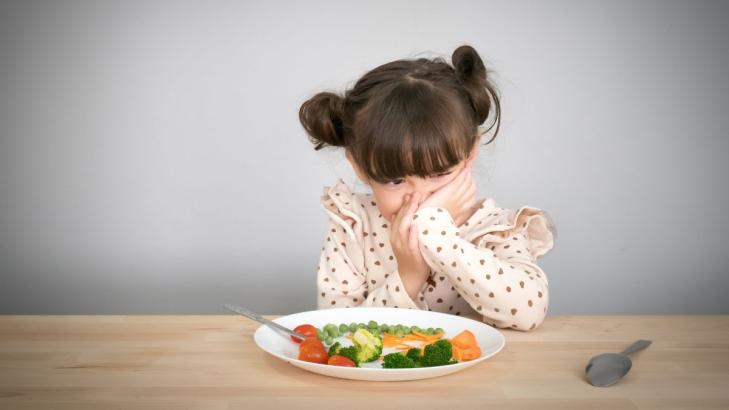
[458,196]
[404,239]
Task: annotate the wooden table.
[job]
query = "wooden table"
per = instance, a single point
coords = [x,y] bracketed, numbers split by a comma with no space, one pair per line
[211,362]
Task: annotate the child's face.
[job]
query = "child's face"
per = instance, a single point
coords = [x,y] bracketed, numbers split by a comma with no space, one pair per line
[390,196]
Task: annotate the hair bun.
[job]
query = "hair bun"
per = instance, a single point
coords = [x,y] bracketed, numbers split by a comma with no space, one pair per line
[470,72]
[468,64]
[321,117]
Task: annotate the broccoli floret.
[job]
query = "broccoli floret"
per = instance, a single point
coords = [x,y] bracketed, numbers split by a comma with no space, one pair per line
[350,352]
[334,349]
[437,354]
[414,355]
[369,347]
[397,361]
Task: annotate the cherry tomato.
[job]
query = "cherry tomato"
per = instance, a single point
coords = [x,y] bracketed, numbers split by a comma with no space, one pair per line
[338,360]
[304,330]
[313,350]
[313,353]
[312,340]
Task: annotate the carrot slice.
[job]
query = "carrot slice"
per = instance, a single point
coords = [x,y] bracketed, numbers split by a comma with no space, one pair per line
[465,338]
[427,336]
[470,353]
[465,347]
[456,353]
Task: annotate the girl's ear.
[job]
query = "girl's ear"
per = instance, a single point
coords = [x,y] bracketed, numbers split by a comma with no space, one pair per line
[356,168]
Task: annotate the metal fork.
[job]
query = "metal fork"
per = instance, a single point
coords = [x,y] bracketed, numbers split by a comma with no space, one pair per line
[258,318]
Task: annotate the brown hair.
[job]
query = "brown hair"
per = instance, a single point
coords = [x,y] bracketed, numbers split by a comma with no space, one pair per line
[407,117]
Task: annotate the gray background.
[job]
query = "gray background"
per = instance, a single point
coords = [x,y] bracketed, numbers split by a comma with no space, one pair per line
[151,158]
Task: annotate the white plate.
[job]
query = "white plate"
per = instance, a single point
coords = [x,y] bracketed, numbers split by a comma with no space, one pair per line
[490,340]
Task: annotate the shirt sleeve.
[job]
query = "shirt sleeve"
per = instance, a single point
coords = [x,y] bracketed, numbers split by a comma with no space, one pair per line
[340,284]
[499,278]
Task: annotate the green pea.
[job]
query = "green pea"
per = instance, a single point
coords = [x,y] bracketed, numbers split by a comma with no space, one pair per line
[320,335]
[362,325]
[430,331]
[372,324]
[413,329]
[352,327]
[343,328]
[329,340]
[384,327]
[439,330]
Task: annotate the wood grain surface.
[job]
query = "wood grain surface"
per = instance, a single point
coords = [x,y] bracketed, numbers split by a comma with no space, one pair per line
[211,362]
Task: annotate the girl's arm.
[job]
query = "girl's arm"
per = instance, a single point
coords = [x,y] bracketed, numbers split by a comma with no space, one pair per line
[340,284]
[500,280]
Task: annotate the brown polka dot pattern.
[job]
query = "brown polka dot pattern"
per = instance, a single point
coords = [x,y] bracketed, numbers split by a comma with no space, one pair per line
[480,267]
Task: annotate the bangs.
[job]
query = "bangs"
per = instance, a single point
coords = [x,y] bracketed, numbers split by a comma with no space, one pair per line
[413,130]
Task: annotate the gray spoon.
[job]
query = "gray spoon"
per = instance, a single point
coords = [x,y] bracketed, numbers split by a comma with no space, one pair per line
[606,369]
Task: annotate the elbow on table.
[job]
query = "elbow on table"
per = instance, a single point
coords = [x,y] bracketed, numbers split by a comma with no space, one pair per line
[534,305]
[525,323]
[526,316]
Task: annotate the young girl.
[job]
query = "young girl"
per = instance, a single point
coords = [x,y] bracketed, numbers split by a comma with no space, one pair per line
[421,240]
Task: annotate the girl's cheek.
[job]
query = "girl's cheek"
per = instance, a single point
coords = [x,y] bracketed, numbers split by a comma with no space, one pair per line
[389,212]
[389,203]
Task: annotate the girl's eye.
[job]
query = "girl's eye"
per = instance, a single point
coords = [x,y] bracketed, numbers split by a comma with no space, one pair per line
[395,182]
[400,180]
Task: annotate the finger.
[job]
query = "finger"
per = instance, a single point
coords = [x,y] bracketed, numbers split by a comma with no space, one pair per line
[467,199]
[470,203]
[463,175]
[470,194]
[395,235]
[452,187]
[470,188]
[463,185]
[400,212]
[407,218]
[413,239]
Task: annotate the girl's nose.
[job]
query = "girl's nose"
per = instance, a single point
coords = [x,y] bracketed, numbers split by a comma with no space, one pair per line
[422,196]
[419,185]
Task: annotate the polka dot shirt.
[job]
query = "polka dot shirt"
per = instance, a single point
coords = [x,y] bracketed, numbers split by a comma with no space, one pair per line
[487,266]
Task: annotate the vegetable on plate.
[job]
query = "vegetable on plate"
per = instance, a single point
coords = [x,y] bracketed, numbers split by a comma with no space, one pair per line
[369,339]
